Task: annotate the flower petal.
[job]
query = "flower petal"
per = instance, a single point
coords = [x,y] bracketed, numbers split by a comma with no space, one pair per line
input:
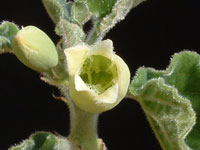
[81,86]
[86,92]
[123,77]
[104,48]
[109,96]
[75,57]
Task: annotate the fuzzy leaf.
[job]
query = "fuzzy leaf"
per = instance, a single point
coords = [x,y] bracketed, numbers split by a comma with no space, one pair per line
[101,7]
[4,44]
[7,32]
[44,141]
[116,13]
[80,13]
[119,12]
[170,100]
[71,33]
[57,9]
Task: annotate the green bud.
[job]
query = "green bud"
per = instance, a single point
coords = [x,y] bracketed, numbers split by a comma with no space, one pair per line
[98,78]
[35,49]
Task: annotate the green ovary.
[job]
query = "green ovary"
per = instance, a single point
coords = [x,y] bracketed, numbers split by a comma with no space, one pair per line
[99,73]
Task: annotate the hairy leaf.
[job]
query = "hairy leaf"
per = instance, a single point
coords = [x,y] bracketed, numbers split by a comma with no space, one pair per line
[80,13]
[57,9]
[116,13]
[119,12]
[44,141]
[101,7]
[71,33]
[7,32]
[170,100]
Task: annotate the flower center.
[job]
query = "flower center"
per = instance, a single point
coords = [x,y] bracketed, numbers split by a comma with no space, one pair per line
[99,73]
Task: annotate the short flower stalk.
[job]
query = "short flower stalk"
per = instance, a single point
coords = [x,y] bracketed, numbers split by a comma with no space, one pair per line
[83,132]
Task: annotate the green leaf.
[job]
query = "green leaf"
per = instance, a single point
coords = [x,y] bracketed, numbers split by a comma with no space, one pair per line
[57,9]
[8,31]
[100,8]
[4,44]
[170,100]
[118,12]
[44,141]
[72,33]
[80,13]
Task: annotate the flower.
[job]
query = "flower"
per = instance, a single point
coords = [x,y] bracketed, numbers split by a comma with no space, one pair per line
[35,49]
[98,78]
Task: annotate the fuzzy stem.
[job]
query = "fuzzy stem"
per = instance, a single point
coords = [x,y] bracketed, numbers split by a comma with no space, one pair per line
[92,36]
[83,130]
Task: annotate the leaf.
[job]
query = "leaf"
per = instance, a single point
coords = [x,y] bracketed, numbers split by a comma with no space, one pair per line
[7,32]
[170,100]
[57,9]
[72,33]
[4,44]
[44,141]
[80,13]
[100,8]
[118,12]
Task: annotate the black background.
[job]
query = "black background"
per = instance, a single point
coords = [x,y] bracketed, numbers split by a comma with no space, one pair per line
[149,35]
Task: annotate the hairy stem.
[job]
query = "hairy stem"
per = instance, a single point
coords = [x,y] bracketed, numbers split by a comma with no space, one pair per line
[83,130]
[93,35]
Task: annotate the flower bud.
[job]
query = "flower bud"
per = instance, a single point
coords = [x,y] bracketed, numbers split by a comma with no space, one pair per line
[35,49]
[98,78]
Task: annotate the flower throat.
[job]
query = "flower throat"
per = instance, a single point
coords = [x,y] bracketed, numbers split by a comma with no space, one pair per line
[99,73]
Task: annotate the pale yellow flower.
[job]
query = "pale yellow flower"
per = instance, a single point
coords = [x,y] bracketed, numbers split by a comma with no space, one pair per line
[98,78]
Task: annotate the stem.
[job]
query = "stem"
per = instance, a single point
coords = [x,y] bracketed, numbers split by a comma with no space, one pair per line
[84,129]
[93,35]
